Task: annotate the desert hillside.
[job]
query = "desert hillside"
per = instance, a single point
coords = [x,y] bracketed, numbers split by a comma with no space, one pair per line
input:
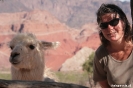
[45,27]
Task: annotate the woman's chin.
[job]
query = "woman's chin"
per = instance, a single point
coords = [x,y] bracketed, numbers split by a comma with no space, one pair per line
[112,39]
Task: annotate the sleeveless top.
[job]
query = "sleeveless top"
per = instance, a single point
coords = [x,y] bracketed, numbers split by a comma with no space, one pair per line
[119,74]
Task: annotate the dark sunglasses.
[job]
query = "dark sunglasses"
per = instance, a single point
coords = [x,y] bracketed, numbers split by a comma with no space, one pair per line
[113,22]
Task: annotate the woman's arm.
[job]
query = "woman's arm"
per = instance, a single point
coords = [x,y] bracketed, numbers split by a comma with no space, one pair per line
[104,84]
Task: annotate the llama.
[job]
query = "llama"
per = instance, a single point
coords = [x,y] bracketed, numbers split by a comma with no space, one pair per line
[27,57]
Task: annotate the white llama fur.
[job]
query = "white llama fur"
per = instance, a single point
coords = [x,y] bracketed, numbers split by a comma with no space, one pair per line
[50,76]
[27,57]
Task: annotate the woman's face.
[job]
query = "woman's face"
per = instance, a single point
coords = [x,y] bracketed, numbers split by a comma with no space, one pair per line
[112,27]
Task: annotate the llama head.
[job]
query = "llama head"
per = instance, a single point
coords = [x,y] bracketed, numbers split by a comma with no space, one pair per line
[27,51]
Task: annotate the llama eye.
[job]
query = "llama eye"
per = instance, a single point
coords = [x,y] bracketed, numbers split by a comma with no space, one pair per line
[31,47]
[11,47]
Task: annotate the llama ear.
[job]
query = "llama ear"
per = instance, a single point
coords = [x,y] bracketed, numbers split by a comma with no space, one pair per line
[47,45]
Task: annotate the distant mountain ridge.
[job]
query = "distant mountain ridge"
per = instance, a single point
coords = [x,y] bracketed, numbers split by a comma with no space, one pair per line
[74,13]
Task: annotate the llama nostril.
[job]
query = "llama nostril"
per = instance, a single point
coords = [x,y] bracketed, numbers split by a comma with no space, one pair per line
[14,54]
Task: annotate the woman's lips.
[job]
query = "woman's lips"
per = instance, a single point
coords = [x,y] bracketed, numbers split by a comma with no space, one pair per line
[112,34]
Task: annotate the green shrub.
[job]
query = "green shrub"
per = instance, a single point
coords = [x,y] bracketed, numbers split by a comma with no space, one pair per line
[88,65]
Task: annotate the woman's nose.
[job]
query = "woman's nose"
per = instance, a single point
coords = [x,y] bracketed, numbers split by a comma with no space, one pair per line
[110,27]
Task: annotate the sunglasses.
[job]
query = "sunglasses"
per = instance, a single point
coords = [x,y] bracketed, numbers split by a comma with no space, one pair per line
[113,22]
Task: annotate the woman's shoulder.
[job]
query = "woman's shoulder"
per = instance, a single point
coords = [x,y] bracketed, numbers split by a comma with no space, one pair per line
[101,51]
[101,48]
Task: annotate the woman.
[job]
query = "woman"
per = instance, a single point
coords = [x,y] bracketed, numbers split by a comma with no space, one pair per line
[113,61]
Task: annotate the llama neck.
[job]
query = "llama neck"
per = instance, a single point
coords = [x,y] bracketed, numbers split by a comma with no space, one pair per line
[27,74]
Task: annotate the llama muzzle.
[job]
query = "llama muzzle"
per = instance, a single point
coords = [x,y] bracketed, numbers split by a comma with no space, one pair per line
[13,57]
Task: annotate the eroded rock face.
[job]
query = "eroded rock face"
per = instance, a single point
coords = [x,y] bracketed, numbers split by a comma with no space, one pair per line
[75,62]
[45,27]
